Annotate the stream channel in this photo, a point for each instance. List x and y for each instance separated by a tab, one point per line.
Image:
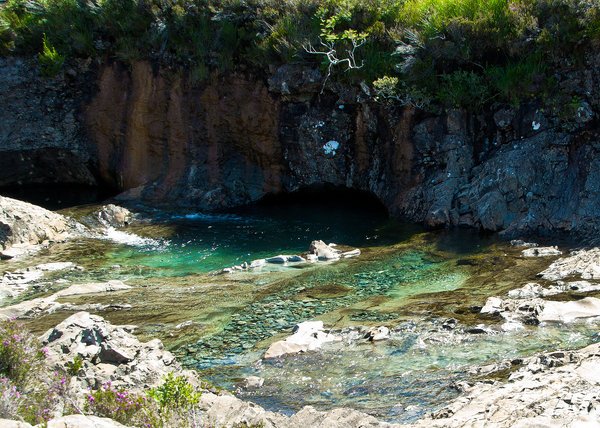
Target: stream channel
406	278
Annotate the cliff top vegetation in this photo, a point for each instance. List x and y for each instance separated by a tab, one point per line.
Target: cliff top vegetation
450	53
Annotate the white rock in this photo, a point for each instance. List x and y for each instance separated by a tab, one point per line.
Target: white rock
257	263
308	336
492	305
541	252
378	333
570	311
351	253
253	382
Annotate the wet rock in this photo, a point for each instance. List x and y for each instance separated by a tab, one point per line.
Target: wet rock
503	118
93	288
521	243
351	253
113	216
26	224
15	283
323	251
449	324
532	290
277	259
378	333
541	252
554	389
257	263
253	382
308	336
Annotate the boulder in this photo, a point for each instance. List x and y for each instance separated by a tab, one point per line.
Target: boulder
113	216
281	259
7	423
323	251
83	421
29	225
253	382
378	333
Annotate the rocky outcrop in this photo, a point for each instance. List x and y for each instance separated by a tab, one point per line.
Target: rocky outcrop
559	389
583	263
24	225
109	353
112	216
230	141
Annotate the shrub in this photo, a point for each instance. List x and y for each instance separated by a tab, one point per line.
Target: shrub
50	60
125	407
21	354
27	389
175	393
74	366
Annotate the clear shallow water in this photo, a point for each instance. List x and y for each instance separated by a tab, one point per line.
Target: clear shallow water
404	276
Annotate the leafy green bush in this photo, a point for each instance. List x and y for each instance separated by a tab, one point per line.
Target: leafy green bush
50	60
74	366
422	42
175	393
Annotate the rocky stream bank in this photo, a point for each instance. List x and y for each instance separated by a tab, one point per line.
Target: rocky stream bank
558	388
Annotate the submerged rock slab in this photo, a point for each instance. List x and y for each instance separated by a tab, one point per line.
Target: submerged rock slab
324	251
308	336
14	283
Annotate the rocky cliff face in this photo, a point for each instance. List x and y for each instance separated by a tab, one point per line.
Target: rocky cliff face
233	140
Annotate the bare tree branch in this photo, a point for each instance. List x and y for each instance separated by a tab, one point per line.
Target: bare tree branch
330	52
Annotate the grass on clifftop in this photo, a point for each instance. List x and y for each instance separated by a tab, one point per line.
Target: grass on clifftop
450	53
